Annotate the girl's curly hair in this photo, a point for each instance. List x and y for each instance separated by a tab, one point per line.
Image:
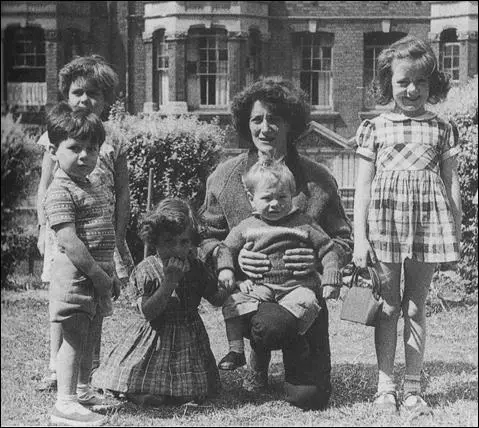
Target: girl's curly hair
171	216
415	49
281	96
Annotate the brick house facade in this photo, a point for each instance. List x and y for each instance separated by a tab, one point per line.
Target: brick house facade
177	56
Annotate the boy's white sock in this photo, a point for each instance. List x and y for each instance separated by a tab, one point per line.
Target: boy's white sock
237	346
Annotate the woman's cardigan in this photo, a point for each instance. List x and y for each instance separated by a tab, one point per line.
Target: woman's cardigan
226	203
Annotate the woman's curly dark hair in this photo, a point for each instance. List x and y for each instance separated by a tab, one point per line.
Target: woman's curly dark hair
416	49
281	96
171	216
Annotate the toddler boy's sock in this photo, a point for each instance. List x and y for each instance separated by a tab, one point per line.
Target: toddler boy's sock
237	346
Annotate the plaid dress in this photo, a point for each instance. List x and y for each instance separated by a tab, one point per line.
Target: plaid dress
171	354
409	213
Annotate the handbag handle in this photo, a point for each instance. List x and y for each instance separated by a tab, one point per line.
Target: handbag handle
374	278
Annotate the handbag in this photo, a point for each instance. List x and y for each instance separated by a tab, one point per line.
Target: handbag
362	304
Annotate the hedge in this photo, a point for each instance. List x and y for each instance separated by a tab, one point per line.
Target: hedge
182	151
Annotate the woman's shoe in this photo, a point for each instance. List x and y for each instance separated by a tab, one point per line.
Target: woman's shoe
414	403
386	402
232	360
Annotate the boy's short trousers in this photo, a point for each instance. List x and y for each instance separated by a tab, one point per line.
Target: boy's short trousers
300	301
72	294
69	297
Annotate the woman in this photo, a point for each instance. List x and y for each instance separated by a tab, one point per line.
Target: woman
270	115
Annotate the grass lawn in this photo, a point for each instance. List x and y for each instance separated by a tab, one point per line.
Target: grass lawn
450	373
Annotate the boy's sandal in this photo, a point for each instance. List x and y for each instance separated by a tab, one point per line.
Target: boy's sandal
414	403
386	401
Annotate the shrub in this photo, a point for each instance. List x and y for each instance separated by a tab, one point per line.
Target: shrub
19	164
461	107
182	152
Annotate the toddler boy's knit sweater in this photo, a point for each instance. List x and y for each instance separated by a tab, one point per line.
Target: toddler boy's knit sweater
274	238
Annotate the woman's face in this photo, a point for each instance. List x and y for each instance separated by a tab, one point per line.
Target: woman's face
84	93
269	132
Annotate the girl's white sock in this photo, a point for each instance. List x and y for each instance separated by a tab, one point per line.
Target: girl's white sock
385	383
412	384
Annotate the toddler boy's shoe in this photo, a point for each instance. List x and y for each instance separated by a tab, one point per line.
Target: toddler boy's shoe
48	382
386	402
79	416
232	360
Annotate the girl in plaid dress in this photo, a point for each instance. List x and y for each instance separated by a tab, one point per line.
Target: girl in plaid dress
166	352
407	208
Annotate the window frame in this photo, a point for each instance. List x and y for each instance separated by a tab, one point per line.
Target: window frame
316	47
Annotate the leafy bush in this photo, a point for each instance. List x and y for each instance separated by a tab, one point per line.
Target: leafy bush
182	152
19	162
461	107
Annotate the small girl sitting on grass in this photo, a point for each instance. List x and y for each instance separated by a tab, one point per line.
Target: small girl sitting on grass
165	354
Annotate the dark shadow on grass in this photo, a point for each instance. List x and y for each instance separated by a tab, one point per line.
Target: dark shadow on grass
231	396
356	383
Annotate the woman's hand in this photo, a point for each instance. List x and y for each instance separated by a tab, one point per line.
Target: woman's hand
301	261
363	253
252	263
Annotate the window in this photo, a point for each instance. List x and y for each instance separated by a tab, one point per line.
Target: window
213	69
195	5
160	64
25	67
374	43
253	59
316	64
449	53
27	54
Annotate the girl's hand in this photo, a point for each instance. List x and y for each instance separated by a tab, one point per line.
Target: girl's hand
252	263
363	253
330	292
175	269
301	261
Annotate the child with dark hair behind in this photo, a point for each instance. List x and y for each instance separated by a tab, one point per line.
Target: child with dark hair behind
165	354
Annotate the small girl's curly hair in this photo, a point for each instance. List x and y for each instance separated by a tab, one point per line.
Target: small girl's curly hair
94	68
171	216
418	50
281	96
